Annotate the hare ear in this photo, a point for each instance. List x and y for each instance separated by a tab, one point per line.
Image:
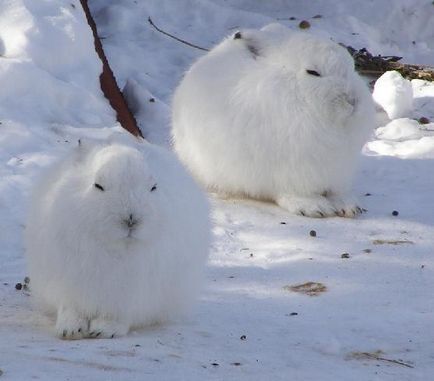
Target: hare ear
251	43
253	48
238	36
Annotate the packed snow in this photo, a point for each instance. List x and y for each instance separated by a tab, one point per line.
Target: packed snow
368	314
394	94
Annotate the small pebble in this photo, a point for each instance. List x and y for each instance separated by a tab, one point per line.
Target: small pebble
423	120
367	194
293	314
283	223
18	286
236	363
345	255
367	251
422	267
304	24
312	233
26	280
395	213
243	337
152	100
317	17
215	364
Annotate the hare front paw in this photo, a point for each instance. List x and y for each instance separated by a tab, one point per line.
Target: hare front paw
70	325
346	207
101	328
317	207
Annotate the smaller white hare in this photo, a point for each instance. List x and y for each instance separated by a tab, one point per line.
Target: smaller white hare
275	115
117	237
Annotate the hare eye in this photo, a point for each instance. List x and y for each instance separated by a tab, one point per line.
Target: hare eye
154	187
313	72
98	186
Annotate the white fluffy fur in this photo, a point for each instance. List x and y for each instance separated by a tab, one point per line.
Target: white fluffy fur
249	120
101	276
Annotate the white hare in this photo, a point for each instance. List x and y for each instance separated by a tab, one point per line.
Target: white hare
275	115
117	237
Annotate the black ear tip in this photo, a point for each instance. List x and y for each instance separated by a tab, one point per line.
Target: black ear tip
237	36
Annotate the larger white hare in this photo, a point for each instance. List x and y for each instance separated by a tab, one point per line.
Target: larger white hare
275	115
116	237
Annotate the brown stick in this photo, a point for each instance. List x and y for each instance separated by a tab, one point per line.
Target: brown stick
108	82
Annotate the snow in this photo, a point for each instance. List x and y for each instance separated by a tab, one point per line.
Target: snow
394	94
378	299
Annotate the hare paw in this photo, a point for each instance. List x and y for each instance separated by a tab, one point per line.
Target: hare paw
346	207
70	325
101	328
317	207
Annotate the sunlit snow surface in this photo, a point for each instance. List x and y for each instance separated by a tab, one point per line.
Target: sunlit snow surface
378	299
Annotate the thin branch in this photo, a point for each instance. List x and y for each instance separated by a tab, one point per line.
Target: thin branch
375	357
175	38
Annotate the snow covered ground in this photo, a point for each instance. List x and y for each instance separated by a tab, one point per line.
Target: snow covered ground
375	318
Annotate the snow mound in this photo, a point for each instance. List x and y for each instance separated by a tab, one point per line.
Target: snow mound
400	130
394	94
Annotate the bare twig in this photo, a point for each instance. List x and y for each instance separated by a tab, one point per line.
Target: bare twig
375	357
174	37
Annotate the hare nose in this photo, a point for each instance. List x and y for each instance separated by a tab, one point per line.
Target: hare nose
131	221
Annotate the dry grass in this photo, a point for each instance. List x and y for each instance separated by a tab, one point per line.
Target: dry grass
377	356
392	242
309	288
